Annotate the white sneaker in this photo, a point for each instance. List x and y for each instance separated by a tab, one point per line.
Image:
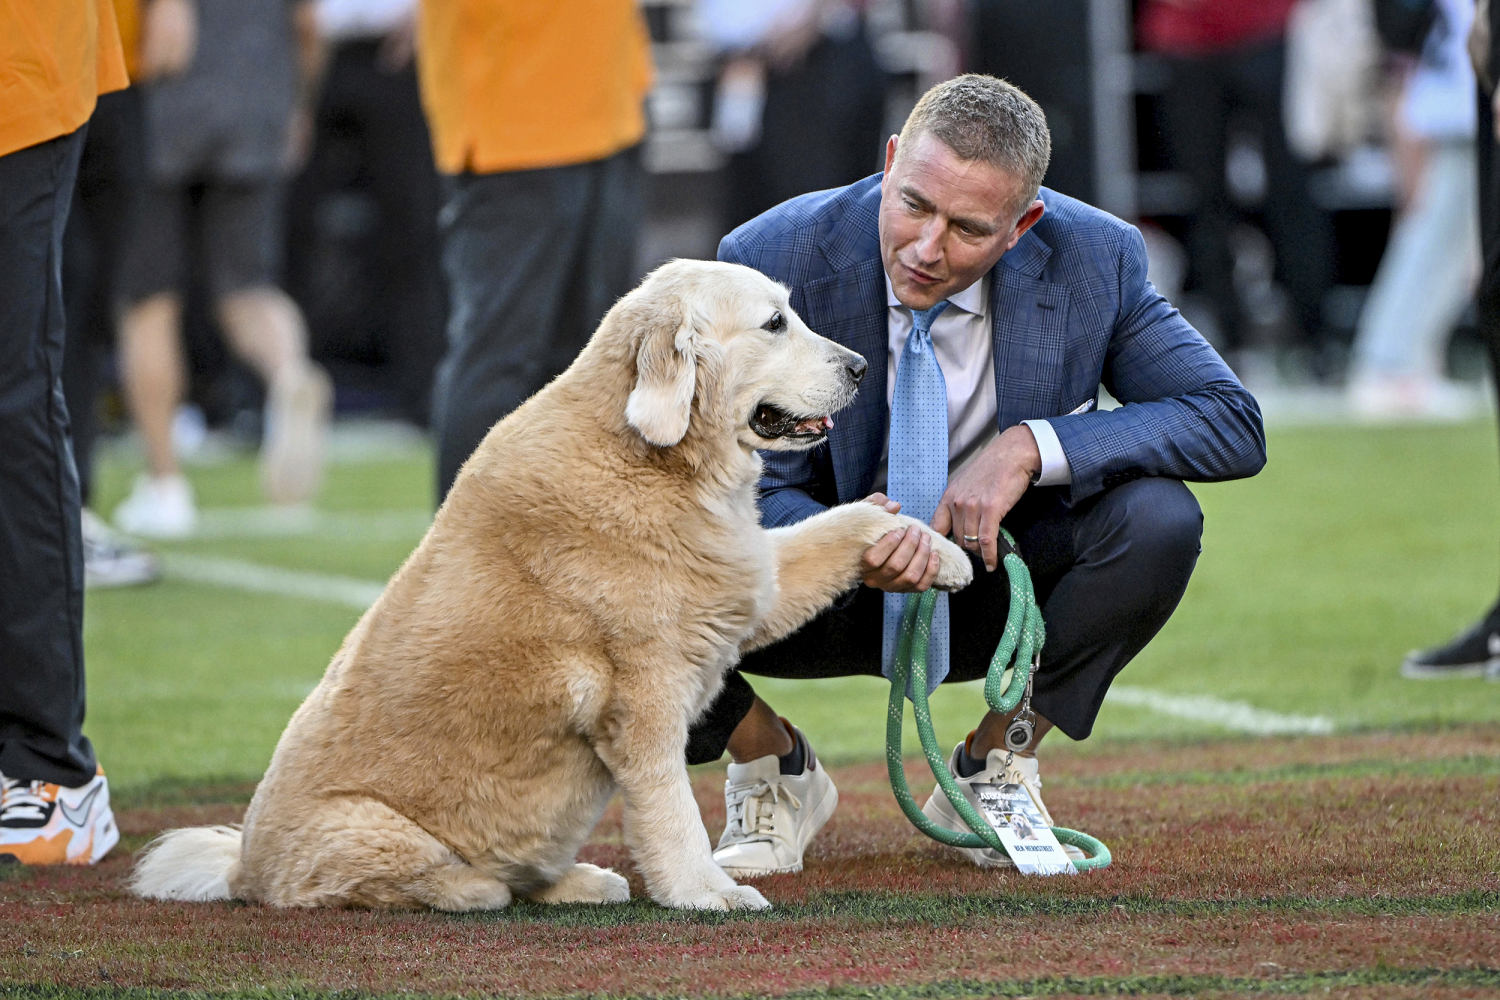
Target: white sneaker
111	561
158	507
1001	767
298	408
772	816
46	824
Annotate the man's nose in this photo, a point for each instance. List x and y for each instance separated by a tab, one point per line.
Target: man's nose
930	242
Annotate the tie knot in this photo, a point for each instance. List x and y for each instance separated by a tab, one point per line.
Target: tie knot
922	319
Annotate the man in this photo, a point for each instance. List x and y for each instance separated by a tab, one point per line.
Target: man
1047	301
537	112
54	801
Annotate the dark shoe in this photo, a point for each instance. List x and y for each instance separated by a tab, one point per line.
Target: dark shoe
1475	653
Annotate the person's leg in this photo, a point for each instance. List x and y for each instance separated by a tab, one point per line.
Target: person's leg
1196	110
1476	650
152	374
41	554
265	329
1420	291
1300	230
510	248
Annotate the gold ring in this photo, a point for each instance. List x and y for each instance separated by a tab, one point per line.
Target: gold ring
971	538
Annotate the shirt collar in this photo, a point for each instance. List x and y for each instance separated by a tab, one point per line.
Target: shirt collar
970	300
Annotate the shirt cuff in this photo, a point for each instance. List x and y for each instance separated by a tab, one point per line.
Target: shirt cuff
1055	468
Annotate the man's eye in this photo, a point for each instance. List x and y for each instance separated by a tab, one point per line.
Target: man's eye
776	324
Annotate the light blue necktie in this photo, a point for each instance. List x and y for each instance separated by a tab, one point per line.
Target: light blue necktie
917	471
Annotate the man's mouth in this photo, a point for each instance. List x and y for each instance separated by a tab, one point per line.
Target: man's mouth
771	421
919	276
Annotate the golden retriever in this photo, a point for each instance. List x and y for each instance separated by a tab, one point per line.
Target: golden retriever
597	568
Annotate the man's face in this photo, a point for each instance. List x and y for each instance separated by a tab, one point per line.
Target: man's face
944	221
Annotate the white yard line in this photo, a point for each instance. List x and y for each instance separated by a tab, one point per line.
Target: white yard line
240	575
220	523
1235	715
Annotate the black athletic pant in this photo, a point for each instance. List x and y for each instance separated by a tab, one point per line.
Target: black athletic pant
534	259
41	551
1108	573
111	176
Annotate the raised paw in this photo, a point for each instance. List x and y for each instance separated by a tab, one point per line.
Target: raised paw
955	569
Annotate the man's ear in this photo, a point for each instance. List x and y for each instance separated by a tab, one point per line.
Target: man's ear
665	376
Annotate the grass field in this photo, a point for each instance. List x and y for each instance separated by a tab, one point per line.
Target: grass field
1288	816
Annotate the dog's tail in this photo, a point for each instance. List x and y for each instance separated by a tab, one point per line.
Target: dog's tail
194	864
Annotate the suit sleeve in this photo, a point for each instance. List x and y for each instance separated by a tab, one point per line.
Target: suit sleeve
1185	414
791	480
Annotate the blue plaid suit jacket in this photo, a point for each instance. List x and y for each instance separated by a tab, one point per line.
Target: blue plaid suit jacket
1072	311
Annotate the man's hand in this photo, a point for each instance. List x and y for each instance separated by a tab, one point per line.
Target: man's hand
984	489
903	560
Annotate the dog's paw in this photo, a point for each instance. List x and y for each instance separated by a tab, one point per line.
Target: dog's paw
715	891
738	897
955	568
585	883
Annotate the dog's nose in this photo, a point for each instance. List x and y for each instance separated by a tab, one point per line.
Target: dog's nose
856	367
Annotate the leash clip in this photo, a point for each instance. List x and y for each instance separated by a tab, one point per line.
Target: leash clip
1022	728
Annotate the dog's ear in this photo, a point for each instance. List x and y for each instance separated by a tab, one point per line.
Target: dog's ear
665	374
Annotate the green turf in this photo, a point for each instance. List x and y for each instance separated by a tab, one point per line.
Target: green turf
1353	545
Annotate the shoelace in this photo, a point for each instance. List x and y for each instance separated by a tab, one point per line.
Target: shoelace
22	800
765	795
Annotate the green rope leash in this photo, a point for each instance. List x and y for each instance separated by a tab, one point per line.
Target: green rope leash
1019	648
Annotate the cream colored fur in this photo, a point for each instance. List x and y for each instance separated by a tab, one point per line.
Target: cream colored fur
596	569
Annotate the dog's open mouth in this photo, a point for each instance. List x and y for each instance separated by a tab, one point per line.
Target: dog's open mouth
771	421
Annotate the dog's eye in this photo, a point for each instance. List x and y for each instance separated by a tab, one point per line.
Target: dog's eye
776	324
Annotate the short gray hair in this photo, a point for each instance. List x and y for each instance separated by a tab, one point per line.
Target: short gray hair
985	118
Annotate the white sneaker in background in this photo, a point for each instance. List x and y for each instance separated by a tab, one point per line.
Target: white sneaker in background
771	816
299	406
158	507
112	561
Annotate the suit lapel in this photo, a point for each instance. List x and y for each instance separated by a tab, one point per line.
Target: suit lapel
849	307
1030	320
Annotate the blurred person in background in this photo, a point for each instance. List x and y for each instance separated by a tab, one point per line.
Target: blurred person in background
363	251
1426	275
1226	62
796	75
1475	651
111	173
55	59
225	119
537	114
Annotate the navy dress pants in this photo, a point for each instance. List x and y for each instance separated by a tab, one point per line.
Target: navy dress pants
1108	572
41	546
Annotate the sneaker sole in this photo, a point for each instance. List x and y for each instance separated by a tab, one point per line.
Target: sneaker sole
1424	672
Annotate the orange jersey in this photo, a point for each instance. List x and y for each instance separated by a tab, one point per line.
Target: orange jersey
56	58
520	84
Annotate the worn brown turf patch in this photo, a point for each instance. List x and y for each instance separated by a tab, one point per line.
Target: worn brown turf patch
1352	866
